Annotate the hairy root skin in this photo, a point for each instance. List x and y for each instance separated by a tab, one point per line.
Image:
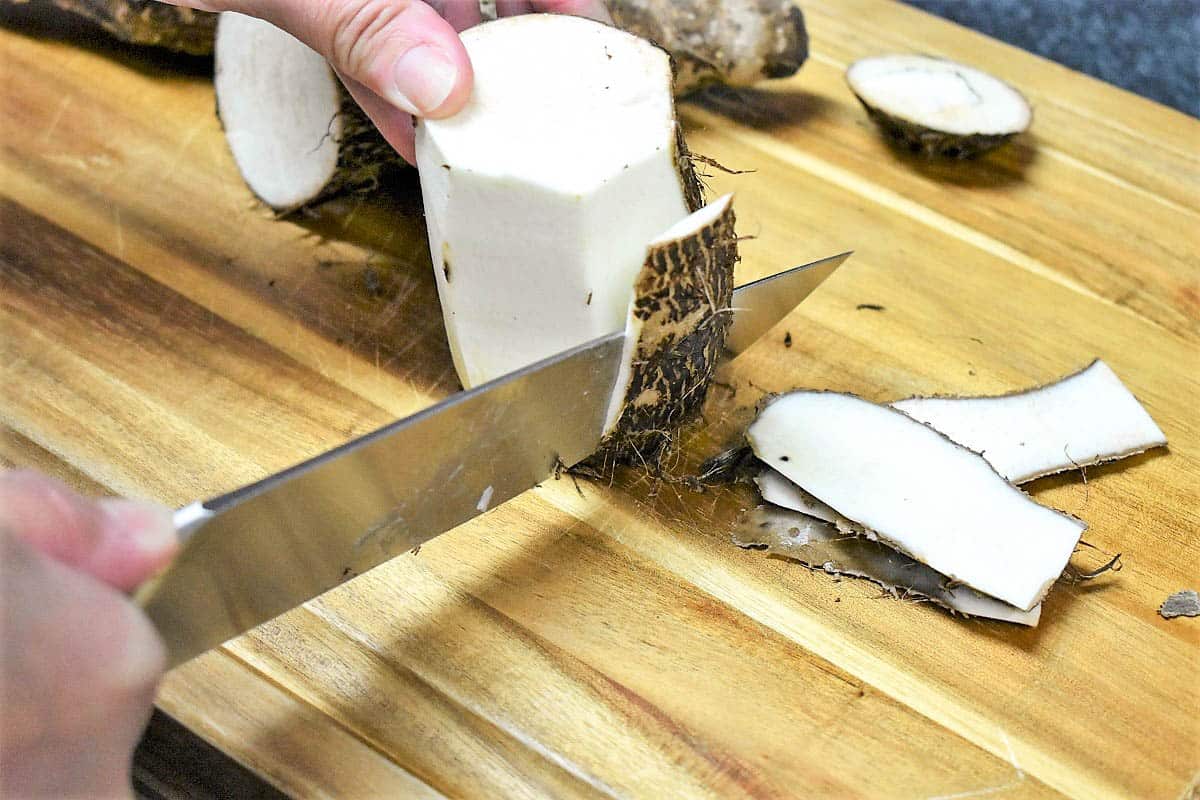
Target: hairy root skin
683	299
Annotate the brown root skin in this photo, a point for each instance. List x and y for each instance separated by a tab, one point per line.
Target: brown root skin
931	143
365	158
709	42
682	300
147	22
707	47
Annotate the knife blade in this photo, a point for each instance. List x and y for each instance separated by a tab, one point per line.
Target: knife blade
258	551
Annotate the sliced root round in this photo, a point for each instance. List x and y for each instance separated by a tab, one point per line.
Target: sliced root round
938	107
296	135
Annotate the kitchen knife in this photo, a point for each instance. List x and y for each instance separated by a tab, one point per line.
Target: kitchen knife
263	549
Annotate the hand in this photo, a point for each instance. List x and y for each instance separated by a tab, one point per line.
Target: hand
79	663
398	58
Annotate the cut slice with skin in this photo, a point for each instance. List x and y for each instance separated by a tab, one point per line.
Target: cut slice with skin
936	106
923	494
1086	418
775	488
818	544
295	133
558	207
674	332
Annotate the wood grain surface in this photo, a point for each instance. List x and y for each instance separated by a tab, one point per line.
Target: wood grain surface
161	335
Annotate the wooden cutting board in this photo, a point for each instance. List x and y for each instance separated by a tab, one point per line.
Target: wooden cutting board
161	335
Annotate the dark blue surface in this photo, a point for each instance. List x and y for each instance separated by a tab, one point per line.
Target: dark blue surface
1151	47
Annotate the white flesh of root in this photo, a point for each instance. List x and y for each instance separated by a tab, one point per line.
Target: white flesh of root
279	103
541	195
928	497
939	95
818	544
1084	419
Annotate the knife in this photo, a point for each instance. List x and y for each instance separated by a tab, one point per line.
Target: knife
265	548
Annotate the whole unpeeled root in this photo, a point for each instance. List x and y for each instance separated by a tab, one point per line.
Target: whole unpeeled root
145	22
734	42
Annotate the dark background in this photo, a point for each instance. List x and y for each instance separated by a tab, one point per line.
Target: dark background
1151	47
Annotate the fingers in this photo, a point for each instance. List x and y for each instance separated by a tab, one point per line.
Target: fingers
402	50
120	542
79	667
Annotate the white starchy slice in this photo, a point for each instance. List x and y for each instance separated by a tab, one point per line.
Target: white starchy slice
278	102
1086	418
938	106
541	195
296	134
818	544
917	490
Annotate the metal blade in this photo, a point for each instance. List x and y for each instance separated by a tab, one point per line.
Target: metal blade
759	305
264	549
259	551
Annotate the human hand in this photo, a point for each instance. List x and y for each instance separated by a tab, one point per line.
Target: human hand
398	58
79	663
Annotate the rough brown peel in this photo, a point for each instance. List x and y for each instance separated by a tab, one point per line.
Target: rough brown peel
736	42
682	306
146	22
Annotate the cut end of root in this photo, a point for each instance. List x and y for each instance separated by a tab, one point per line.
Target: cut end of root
938	107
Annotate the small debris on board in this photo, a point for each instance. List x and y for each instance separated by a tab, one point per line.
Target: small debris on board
1184	603
1007	571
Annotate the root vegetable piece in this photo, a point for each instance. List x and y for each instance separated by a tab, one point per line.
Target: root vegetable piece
295	133
146	22
778	490
1084	419
674	333
938	107
737	42
542	194
818	544
925	495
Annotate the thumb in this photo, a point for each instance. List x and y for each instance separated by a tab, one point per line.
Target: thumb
120	542
402	50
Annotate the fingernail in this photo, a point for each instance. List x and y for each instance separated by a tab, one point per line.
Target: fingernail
424	77
147	526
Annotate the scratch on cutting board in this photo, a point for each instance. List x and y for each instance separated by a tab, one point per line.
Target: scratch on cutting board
1010	784
120	233
62	107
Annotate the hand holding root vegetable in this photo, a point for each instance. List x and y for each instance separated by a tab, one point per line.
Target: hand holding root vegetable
78	661
398	58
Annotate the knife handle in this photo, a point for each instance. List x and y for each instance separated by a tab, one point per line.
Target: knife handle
190	519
